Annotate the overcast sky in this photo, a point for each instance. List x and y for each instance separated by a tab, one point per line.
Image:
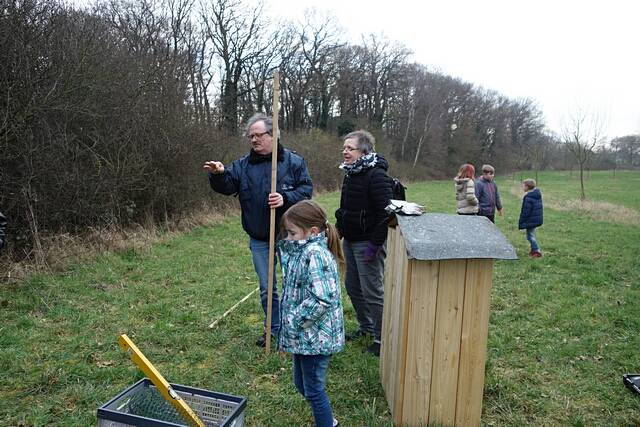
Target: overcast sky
564	54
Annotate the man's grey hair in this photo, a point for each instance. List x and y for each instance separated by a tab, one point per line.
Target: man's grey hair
366	141
268	123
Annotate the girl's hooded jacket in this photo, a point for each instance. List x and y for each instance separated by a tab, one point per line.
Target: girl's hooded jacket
311	304
467	202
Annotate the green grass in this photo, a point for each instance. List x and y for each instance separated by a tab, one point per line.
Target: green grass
563	328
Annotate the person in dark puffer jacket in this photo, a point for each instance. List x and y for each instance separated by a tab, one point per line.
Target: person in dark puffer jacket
531	214
249	178
362	222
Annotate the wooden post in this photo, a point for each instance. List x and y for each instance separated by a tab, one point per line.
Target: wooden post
272	222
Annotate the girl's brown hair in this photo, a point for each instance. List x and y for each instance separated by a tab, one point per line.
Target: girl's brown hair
467	171
306	214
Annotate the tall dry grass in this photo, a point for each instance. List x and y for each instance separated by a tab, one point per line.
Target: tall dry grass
57	251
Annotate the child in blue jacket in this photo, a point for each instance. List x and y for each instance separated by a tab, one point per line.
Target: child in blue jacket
312	324
531	214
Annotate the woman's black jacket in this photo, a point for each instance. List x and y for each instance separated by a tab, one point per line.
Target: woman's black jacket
364	196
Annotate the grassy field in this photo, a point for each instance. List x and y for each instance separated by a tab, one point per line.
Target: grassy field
563	328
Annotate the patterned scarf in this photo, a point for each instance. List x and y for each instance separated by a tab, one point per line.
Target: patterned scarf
364	162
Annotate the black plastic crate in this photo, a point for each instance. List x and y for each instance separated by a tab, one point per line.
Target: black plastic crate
143	405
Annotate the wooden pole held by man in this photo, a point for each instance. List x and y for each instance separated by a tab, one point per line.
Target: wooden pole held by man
272	224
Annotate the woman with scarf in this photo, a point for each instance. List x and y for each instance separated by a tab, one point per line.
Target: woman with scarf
362	222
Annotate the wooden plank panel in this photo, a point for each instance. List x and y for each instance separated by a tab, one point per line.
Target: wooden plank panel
420	333
473	345
389	274
399	317
392	314
446	347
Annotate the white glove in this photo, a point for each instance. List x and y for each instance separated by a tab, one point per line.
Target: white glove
403	207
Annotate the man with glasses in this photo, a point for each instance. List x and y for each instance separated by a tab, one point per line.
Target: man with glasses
249	177
487	194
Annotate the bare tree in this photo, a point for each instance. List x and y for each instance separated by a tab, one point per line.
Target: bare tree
319	43
310	72
428	110
258	72
235	32
382	60
582	134
526	133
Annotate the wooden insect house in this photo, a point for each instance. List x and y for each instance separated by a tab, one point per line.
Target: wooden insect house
438	278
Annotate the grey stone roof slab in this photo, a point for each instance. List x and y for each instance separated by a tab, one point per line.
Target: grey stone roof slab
435	236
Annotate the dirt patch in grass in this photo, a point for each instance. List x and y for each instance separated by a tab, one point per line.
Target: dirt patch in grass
599	211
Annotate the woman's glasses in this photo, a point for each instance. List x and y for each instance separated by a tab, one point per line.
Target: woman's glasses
349	149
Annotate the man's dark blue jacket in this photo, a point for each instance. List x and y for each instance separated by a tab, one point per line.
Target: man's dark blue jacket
249	178
531	212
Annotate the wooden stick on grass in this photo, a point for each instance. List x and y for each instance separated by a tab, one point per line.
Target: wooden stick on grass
236	305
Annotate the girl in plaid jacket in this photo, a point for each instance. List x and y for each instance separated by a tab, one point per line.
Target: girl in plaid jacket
312	327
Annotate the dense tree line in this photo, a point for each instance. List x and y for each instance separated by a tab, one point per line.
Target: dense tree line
107	113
